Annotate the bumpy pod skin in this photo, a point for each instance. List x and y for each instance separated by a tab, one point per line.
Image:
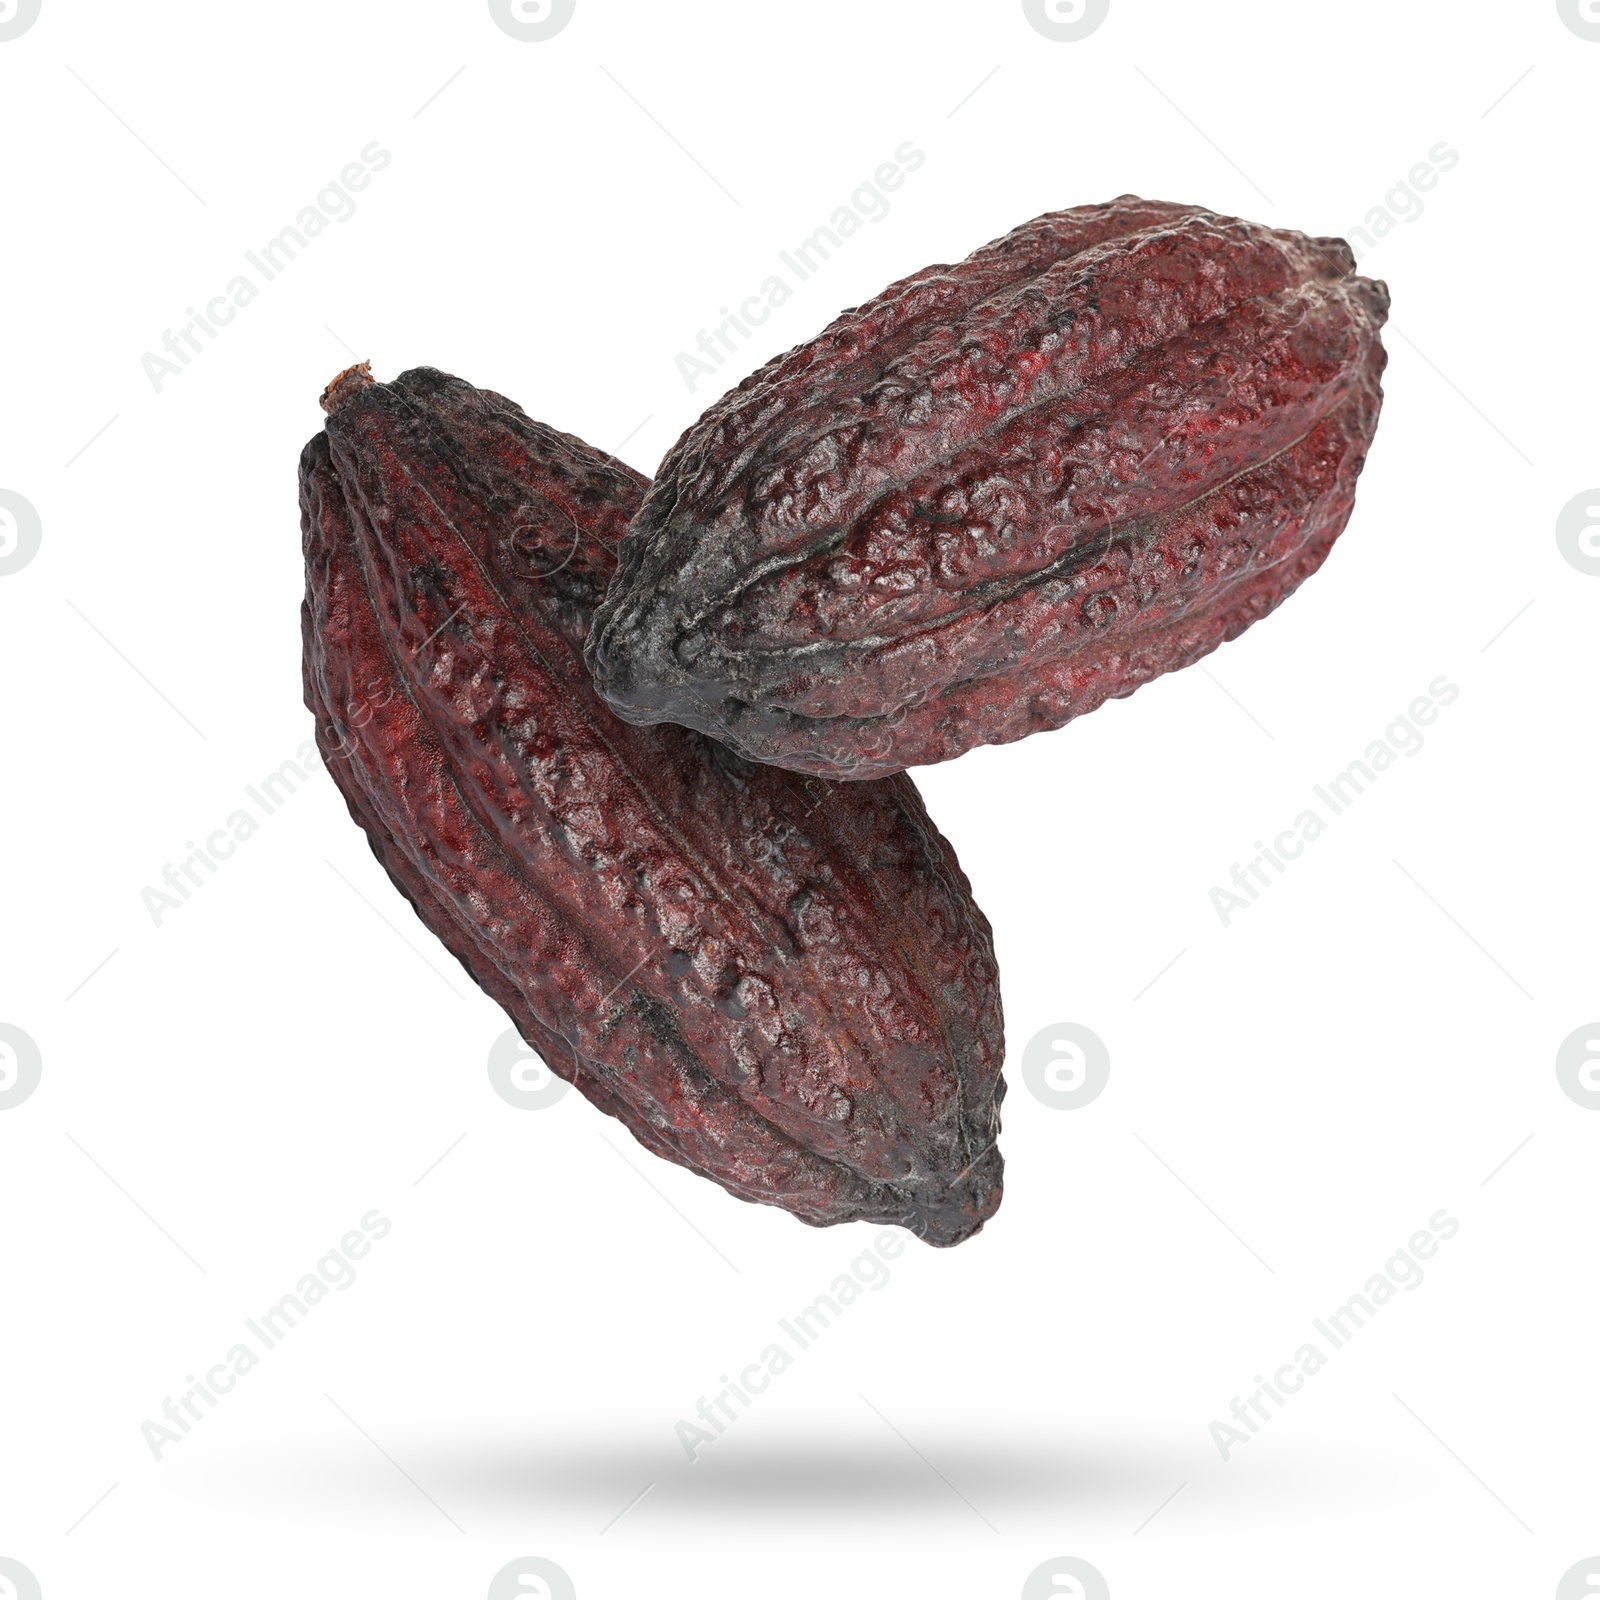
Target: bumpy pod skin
780	983
1002	492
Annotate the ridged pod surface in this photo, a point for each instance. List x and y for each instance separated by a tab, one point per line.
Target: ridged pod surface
782	984
1001	492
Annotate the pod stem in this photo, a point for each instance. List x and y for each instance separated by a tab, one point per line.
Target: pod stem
346	386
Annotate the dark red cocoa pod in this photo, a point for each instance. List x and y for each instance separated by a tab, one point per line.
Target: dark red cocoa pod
1001	492
780	983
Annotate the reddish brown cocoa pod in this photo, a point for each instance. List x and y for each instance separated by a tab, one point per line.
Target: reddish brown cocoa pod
1001	492
780	983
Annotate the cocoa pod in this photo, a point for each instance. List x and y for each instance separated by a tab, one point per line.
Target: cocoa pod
780	983
1001	492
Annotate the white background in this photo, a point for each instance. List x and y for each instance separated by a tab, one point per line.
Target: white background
1291	1098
